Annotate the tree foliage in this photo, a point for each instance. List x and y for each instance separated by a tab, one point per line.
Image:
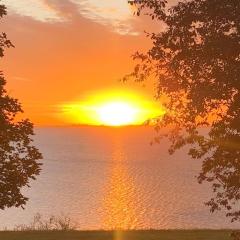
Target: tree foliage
18	158
196	64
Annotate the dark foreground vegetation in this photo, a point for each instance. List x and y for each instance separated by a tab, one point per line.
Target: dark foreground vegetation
127	235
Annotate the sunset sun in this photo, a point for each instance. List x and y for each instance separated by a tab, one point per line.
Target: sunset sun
111	108
117	114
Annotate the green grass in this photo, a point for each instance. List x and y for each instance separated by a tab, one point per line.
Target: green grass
126	235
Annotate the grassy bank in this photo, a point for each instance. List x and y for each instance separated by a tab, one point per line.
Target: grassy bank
128	235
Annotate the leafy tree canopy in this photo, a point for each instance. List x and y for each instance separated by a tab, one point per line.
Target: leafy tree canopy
18	158
195	61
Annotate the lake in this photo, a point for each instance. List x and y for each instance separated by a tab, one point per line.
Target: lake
108	178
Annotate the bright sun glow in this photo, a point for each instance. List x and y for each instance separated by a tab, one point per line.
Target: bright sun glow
117	114
111	108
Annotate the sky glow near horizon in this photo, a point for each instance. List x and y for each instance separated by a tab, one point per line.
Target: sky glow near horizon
117	15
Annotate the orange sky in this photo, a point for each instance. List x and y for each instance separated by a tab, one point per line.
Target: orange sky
66	51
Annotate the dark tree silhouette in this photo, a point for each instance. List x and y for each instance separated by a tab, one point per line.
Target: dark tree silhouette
18	158
196	63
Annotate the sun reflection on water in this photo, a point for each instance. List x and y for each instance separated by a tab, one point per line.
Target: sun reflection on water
119	201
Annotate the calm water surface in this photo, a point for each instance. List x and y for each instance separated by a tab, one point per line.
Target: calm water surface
108	178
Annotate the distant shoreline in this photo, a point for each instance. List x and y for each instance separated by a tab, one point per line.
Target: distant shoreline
92	126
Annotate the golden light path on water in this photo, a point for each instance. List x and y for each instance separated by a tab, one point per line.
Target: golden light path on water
120	201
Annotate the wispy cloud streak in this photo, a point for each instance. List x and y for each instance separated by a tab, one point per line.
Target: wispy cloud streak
36	9
113	13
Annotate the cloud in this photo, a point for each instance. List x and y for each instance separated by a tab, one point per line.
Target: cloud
114	13
21	79
37	9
